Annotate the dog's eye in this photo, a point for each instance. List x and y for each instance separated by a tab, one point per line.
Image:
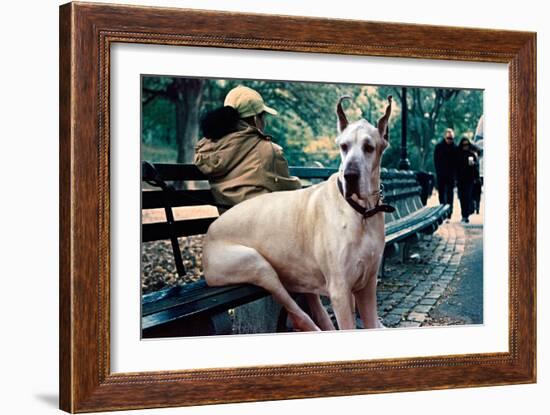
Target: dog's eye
344	147
367	148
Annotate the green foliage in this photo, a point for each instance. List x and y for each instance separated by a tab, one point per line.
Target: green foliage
306	124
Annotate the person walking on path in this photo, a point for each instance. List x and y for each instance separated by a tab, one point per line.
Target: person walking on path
239	159
445	168
467	175
478	148
478	181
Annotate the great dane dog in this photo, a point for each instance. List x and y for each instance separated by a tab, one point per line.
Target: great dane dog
327	239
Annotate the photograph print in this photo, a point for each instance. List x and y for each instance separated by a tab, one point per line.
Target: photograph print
274	206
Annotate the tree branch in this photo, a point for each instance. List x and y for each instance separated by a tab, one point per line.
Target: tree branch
156	93
149	99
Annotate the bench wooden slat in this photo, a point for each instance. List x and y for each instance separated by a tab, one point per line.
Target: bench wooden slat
231	297
153	199
170	292
425	211
187	227
179	172
409	231
428	217
408	220
185	294
312	172
401	194
171	171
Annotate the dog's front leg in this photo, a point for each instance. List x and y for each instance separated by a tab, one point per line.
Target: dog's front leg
366	304
344	308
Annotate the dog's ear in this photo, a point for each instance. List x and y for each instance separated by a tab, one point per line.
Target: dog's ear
383	122
342	120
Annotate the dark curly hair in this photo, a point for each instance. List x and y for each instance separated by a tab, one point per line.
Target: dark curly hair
219	122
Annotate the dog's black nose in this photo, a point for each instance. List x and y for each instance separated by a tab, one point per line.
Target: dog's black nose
351	176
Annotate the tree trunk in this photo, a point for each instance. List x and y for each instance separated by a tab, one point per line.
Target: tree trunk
187	99
422	159
429	133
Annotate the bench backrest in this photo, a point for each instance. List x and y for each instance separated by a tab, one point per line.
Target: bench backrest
401	189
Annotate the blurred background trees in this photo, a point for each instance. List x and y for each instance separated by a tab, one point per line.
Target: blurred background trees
306	124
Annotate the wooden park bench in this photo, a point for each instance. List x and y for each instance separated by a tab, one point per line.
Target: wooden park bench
196	309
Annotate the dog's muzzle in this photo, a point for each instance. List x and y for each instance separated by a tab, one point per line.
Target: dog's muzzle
351	182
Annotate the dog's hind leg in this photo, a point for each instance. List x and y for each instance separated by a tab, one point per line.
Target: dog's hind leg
318	312
228	263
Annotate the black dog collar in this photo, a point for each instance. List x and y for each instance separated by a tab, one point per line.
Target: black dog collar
366	213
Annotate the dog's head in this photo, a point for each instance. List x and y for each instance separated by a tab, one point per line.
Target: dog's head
361	146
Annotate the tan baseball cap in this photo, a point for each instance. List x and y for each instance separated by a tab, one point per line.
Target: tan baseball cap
247	102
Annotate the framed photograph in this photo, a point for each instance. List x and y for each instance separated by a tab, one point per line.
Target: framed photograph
259	207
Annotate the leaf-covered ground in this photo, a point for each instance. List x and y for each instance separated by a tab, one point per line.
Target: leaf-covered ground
159	269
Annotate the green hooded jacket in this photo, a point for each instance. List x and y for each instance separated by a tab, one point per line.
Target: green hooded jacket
243	164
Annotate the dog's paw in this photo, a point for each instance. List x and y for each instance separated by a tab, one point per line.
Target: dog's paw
381	324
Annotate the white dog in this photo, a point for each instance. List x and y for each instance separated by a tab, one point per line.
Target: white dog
327	239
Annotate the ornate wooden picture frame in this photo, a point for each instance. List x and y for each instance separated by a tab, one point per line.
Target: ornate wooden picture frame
87	32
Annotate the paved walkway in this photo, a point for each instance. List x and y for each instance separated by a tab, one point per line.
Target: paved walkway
464	302
441	282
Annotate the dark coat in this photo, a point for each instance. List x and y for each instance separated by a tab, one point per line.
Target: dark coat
466	173
445	161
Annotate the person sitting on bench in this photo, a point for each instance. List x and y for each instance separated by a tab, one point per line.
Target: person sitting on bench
238	158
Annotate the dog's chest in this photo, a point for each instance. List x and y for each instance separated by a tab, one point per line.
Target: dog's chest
361	254
368	255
